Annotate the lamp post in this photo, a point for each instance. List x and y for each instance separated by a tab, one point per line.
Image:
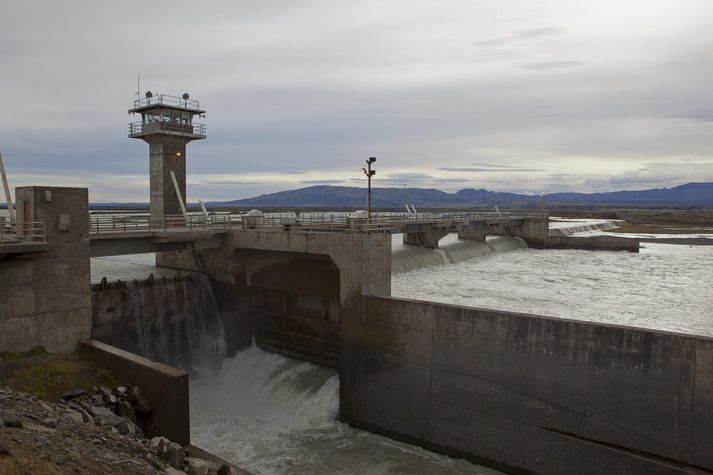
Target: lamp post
369	173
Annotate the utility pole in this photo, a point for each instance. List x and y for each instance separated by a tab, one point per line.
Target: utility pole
369	173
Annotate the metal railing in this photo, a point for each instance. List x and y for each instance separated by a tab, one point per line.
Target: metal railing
168	100
305	222
140	128
126	224
14	232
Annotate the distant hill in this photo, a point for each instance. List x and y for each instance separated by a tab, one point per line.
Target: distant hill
690	194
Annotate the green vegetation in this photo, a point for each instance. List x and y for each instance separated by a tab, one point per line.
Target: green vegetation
50	375
36	351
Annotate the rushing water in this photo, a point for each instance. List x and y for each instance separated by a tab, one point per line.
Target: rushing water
274	415
664	286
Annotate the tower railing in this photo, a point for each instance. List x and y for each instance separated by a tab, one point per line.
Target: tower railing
168	100
140	128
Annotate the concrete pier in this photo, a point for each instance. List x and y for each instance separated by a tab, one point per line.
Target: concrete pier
44	297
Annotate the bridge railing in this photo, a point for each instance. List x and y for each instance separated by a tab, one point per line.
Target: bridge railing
304	222
17	232
126	224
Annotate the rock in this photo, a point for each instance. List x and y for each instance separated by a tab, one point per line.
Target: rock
124	409
73	393
104	417
173	471
96	441
71	416
41	442
139	401
10	418
174	455
122	391
4	450
104	392
196	466
98	400
227	470
50	422
128	428
158	443
85	416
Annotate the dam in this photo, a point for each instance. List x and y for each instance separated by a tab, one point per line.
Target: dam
516	391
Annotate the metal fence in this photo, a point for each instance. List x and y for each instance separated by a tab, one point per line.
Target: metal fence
124	224
168	100
14	232
139	128
303	222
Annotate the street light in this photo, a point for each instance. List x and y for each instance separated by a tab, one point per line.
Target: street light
369	173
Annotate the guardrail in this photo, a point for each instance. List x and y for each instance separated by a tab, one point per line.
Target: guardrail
168	100
304	222
139	128
14	232
125	224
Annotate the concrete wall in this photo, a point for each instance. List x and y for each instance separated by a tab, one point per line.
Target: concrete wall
175	322
594	243
164	386
527	393
44	298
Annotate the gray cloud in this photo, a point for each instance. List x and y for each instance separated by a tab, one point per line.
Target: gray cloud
322	182
480	169
549	65
403	81
533	33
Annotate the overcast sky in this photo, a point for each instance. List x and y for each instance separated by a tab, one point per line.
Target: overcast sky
526	96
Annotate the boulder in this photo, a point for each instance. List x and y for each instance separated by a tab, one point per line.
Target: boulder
227	469
174	455
139	401
71	416
73	394
104	417
10	418
125	409
196	466
158	443
50	422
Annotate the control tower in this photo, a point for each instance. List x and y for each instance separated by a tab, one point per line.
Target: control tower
167	126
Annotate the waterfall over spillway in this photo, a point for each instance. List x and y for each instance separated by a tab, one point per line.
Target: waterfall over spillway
174	322
274	415
407	258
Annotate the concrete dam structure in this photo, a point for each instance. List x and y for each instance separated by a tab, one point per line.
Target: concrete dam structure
519	392
459	380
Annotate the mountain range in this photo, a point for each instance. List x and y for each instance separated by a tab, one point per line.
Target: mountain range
690	194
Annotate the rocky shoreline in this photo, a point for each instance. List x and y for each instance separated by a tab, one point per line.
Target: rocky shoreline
89	432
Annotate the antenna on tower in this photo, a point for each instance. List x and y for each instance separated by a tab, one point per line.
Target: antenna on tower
138	86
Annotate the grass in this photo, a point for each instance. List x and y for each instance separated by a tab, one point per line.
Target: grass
50	375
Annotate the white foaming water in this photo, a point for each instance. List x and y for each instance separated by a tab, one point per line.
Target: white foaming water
273	415
451	250
664	287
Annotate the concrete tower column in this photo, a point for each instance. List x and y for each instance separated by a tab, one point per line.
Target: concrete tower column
166	154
